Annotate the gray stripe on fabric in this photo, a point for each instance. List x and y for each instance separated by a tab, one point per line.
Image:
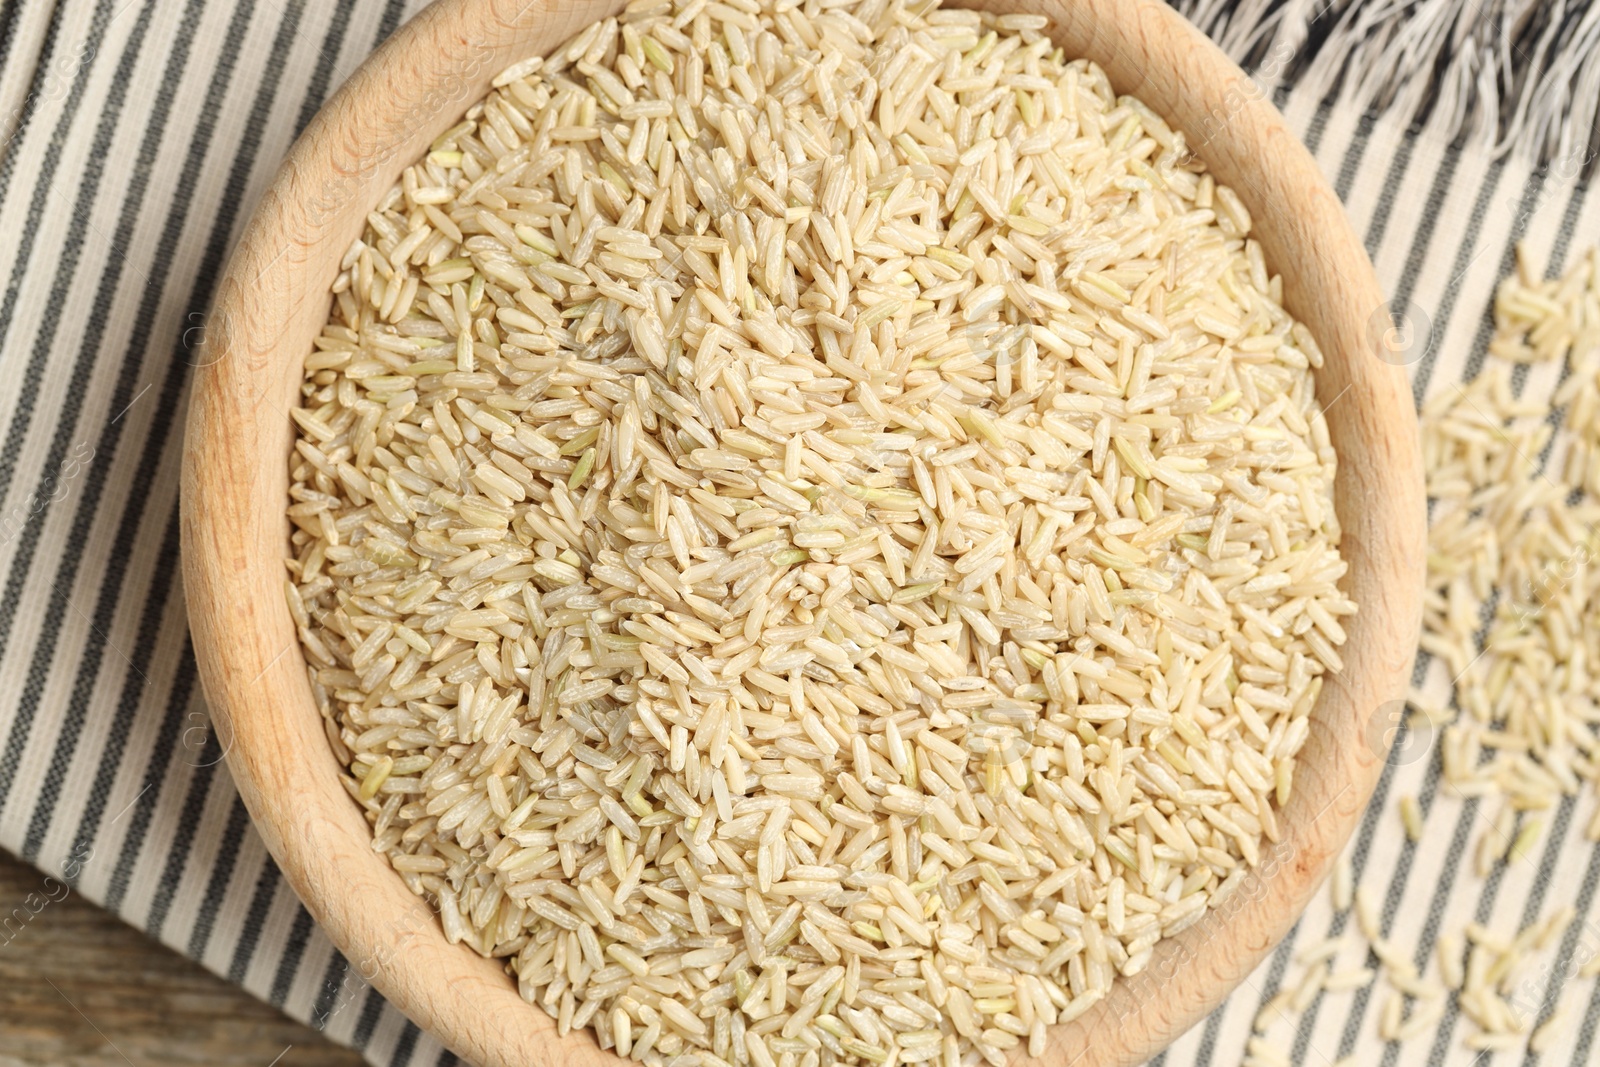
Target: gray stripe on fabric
1408	852
1354	153
1555	834
1459	839
1428	939
406	1047
162	769
1459	264
393	12
153	784
330	995
292	952
1208	1036
1485	907
266	890
9	11
371	1011
1567	230
327	60
1308	1019
1319	125
1277	967
1341	920
132	696
13	135
1591	1019
1508	260
1378	226
1358	865
1558	971
1567	961
217	884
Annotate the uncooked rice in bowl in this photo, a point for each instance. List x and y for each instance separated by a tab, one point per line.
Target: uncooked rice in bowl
813	534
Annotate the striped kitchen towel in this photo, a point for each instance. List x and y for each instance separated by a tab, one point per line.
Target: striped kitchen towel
135	136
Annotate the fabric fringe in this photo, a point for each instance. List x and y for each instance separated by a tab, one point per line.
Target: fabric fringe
1507	75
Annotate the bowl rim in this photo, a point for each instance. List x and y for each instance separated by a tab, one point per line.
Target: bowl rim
273	298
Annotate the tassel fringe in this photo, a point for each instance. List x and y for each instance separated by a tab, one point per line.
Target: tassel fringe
1507	75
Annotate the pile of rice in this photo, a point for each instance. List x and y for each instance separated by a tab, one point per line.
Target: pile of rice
813	533
1512	589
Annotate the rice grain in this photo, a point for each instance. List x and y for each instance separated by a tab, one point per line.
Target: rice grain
809	503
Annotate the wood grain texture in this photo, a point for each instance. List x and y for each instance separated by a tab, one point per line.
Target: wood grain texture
80	988
273	300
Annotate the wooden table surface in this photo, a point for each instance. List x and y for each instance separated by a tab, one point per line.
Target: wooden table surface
79	988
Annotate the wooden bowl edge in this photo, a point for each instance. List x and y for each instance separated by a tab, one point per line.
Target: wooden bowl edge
250	666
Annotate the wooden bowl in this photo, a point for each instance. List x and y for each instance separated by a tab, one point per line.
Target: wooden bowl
275	298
